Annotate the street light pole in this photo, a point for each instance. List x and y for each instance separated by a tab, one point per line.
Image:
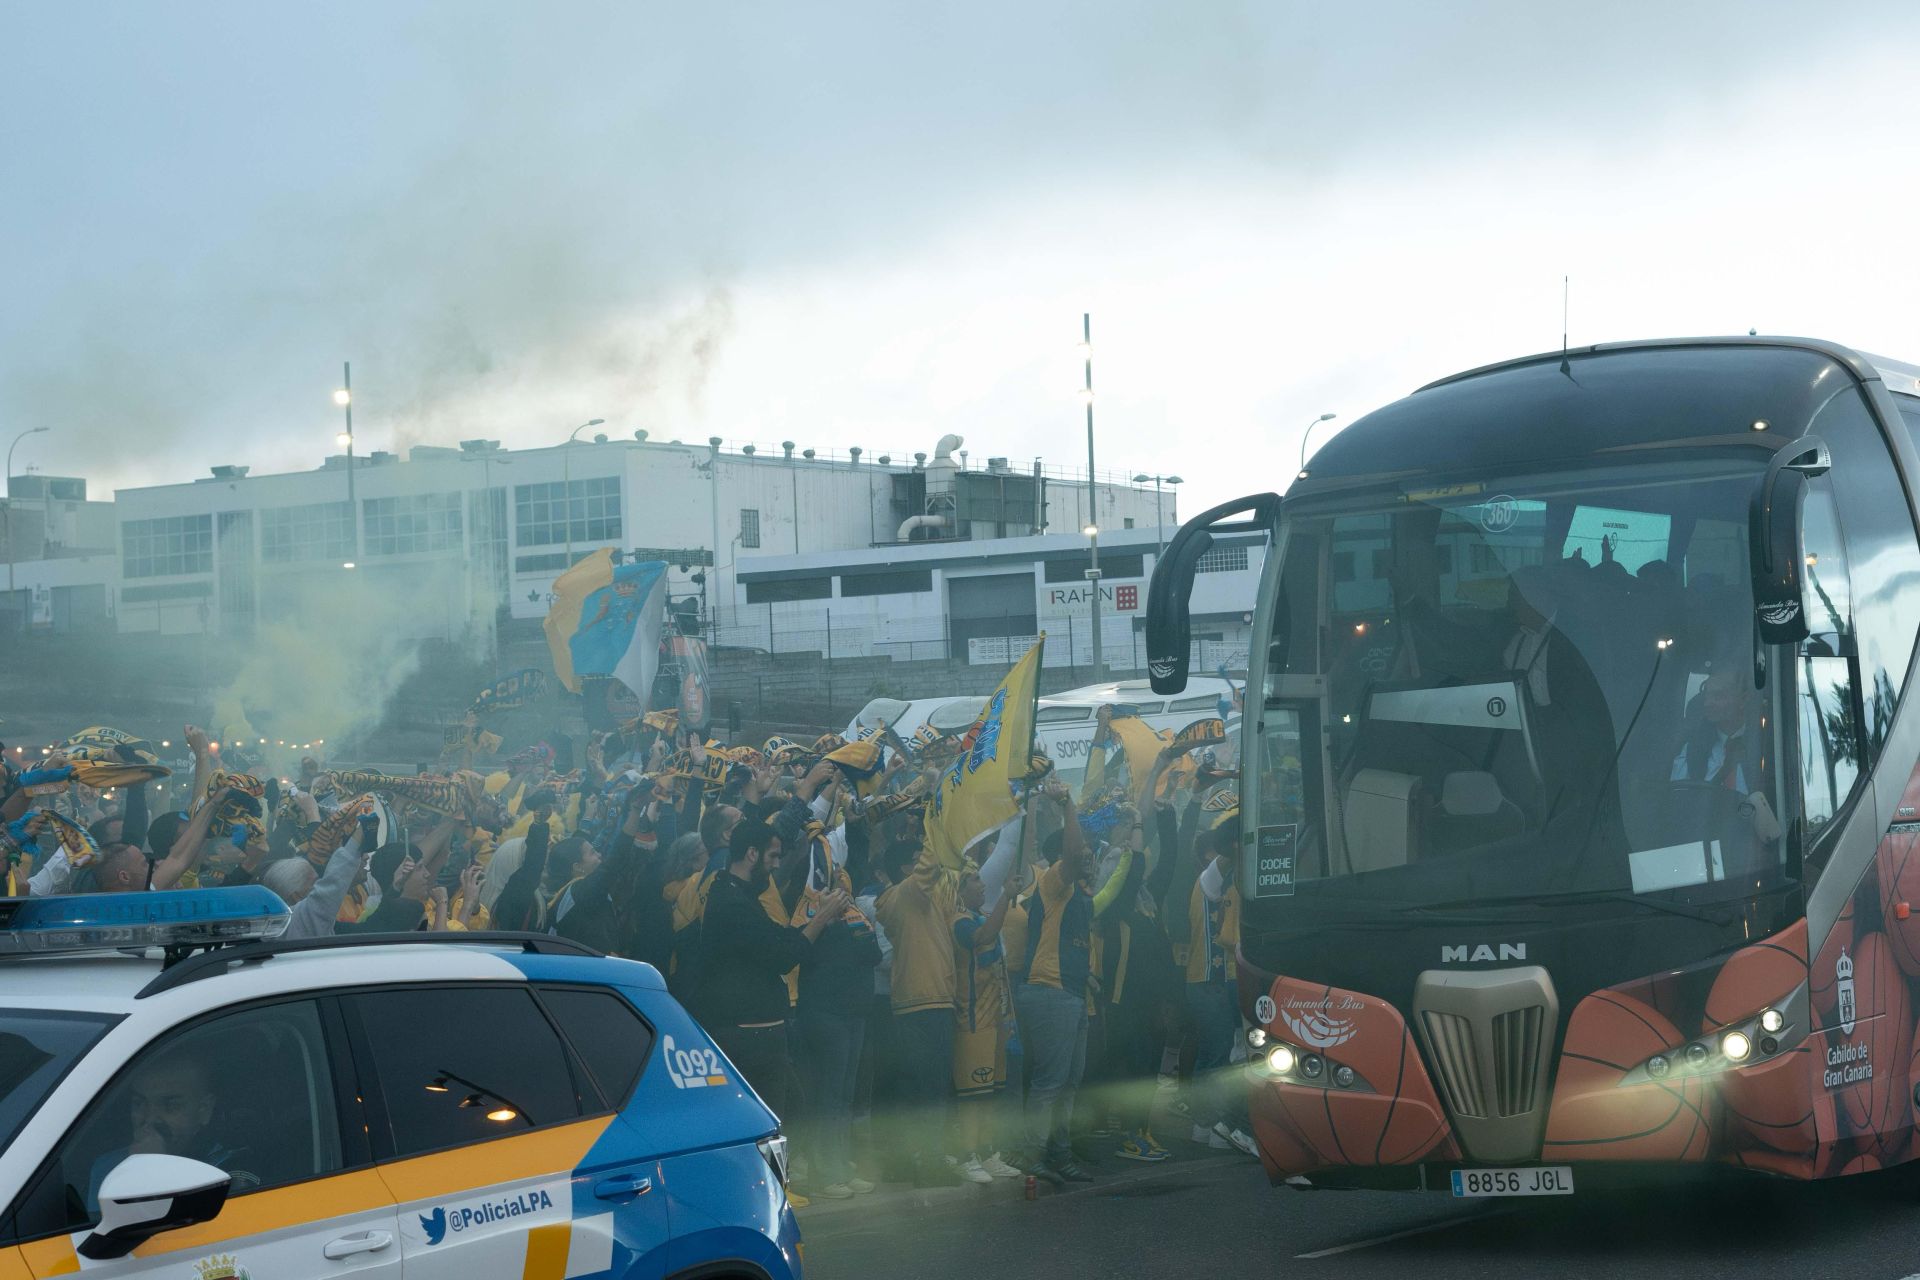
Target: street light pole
30	431
344	398
1325	417
566	484
1093	522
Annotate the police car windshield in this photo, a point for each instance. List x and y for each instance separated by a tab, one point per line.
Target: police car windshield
37	1048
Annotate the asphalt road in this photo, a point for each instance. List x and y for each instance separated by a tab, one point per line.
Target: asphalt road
1216	1216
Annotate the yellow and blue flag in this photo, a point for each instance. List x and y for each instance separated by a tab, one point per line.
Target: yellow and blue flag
607	621
975	793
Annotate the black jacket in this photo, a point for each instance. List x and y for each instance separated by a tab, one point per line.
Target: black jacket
744	956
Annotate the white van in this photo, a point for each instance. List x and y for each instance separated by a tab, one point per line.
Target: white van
1064	722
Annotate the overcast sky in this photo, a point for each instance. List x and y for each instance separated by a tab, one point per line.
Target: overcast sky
872	224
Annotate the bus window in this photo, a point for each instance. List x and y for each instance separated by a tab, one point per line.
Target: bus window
1881	554
1829	752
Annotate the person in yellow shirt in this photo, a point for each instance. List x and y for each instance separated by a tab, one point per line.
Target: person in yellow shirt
918	914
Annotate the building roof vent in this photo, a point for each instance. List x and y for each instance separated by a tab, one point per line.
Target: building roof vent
998	466
747	449
788	446
919	460
807	454
231	473
886	459
854	454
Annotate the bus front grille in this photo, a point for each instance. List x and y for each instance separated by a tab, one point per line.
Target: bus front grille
1450	1042
1516	1059
1485	1036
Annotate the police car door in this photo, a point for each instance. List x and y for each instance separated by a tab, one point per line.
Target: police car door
255	1092
490	1141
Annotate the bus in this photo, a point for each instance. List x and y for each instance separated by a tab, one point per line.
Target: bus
1579	828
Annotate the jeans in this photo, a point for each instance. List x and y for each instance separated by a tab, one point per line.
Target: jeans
1053	1031
829	1062
923	1045
1215	1008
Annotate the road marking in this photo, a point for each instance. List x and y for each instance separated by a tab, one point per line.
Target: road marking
1402	1235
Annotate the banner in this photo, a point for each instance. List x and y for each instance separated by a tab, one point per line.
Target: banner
696	707
511	691
975	793
617	629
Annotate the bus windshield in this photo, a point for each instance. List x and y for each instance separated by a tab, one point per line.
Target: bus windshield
1521	689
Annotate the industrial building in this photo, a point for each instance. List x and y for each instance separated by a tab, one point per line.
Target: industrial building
982	602
477	533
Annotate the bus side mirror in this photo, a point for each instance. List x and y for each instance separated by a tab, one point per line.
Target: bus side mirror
1169	620
1773	535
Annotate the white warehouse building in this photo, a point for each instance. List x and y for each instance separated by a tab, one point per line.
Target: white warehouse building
983	602
465	533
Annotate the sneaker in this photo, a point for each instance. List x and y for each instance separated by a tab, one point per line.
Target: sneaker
1143	1148
1201	1134
1072	1172
796	1200
1046	1173
1180	1107
999	1168
835	1191
1235	1138
1166	1083
859	1186
972	1171
1218	1141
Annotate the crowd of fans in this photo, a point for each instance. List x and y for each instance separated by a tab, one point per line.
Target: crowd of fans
1063	991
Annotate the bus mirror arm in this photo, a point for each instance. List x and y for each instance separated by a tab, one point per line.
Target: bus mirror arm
1773	536
1169	618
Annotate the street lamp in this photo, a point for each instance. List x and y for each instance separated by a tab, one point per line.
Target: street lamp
1325	417
1093	526
566	487
1159	522
344	398
30	431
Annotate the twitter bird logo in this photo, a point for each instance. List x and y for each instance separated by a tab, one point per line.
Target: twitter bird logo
435	1225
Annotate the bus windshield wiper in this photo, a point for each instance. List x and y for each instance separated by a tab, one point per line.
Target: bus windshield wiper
1709	915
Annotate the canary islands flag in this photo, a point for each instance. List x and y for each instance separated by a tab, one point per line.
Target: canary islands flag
975	793
607	621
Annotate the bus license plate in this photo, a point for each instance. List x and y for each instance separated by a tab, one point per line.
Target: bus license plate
1477	1184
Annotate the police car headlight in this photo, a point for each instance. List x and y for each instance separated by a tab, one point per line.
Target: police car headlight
774	1148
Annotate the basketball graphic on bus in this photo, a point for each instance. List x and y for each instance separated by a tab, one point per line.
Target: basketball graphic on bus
1596	1116
1756	977
1899	864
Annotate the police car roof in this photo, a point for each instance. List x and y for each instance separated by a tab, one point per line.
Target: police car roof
111	982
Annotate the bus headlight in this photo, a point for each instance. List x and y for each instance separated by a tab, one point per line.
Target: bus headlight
1772	1021
1256	1037
1735	1046
1280	1059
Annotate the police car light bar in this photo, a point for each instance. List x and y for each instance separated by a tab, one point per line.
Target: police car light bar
167	918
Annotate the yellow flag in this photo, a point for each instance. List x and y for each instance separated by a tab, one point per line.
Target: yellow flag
570	591
976	792
1140	743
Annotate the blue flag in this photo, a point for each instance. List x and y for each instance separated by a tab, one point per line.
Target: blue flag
620	627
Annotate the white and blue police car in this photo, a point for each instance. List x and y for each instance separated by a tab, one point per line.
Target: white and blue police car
183	1095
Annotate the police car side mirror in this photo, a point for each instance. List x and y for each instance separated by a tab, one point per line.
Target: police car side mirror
144	1195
